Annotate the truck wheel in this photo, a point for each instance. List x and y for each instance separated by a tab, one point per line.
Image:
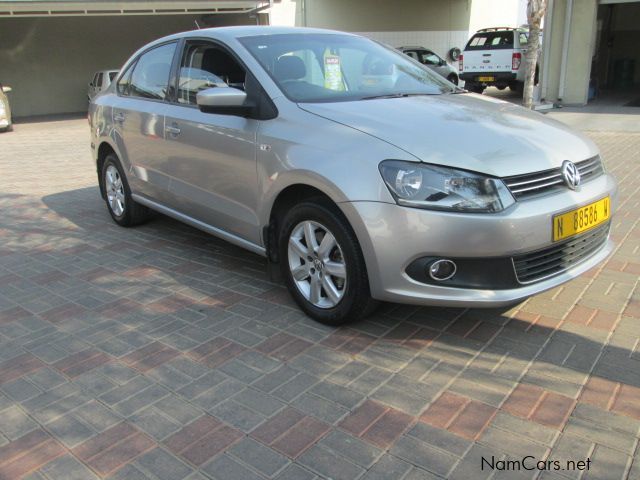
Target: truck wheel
475	87
516	87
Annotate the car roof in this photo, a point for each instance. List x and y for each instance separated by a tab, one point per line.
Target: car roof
246	31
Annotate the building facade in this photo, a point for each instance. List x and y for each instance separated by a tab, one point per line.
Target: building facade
50	49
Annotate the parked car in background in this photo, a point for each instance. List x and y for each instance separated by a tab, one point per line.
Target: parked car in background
340	160
433	61
495	57
6	124
101	81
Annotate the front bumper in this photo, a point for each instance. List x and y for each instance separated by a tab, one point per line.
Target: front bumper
392	237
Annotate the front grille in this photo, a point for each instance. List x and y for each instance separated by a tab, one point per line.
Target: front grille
530	184
541	264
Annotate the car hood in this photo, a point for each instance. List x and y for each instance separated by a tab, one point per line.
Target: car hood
466	131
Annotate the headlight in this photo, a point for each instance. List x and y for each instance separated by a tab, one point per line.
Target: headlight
440	188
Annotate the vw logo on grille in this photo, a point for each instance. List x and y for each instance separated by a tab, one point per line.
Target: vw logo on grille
571	174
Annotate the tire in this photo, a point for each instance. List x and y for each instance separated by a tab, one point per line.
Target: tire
122	208
453	78
516	87
475	87
346	297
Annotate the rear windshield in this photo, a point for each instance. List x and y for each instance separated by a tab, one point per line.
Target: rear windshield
491	41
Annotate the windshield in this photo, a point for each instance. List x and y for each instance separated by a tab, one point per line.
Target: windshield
332	67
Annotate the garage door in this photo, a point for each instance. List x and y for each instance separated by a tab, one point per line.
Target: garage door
50	50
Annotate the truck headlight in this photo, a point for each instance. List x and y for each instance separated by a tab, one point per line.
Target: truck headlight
427	186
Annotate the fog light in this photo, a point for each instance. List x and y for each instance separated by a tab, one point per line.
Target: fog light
441	270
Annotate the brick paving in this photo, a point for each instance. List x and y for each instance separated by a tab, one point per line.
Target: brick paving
162	353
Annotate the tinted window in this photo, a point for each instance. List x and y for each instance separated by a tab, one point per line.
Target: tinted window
150	78
112	75
334	67
491	41
429	58
124	84
412	54
99	80
524	39
205	65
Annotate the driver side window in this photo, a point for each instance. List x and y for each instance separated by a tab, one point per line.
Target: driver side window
205	65
429	58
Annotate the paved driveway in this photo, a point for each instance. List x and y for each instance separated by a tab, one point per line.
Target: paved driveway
159	352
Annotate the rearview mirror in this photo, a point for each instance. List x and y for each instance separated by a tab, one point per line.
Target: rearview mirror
6	89
224	101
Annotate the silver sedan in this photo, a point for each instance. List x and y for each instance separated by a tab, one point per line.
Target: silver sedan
358	173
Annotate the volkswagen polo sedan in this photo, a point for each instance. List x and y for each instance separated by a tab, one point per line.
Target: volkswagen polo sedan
358	173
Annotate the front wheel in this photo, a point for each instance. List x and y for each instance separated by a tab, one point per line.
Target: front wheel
453	78
322	264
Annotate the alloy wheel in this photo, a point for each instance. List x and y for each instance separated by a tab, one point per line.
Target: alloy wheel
317	264
115	190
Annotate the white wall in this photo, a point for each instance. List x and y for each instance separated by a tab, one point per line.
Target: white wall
497	13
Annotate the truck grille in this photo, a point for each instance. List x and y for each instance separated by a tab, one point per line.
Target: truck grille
530	184
550	261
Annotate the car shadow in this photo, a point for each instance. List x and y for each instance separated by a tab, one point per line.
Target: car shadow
136	267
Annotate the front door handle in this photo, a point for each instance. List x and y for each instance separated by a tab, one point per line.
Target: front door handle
170	129
118	117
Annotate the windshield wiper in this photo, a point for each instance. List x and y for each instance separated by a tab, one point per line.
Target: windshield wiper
397	95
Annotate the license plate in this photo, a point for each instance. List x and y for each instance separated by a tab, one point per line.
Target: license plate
581	219
486	79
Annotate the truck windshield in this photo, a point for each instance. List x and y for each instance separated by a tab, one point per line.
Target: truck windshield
334	67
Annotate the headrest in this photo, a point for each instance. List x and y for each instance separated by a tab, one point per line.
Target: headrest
289	67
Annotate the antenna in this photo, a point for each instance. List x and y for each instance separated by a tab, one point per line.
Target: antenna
197	26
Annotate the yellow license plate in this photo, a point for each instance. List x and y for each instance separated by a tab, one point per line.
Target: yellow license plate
581	219
486	79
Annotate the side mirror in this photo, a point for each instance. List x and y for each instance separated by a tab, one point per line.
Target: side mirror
224	101
6	89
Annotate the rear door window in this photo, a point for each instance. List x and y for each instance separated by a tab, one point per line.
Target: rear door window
491	41
150	78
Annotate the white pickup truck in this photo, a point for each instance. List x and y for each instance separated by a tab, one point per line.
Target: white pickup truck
495	57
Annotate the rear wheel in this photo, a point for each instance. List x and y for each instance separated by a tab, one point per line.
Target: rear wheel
475	87
322	264
516	87
125	211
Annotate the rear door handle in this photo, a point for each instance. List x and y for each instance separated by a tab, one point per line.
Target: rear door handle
118	117
172	130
